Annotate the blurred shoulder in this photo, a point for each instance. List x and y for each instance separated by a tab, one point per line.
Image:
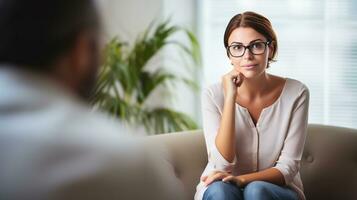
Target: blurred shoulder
296	86
296	89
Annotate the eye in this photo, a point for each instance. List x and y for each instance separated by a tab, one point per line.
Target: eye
237	47
257	45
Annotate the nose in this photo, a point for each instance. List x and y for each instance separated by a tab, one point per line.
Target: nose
247	54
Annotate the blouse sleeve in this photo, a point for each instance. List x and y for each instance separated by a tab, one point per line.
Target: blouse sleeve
211	122
289	160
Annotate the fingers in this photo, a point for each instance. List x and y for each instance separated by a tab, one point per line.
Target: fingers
230	76
228	178
232	179
217	176
230	82
240	80
236	81
203	178
233	76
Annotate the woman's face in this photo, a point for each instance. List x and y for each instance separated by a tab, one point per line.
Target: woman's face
249	65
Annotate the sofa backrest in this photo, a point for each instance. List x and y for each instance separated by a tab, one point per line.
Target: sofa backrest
329	163
328	166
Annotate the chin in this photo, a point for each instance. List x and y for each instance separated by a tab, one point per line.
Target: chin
250	74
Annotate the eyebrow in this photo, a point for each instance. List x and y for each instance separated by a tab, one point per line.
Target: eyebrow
248	43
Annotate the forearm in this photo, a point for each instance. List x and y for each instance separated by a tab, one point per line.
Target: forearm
225	139
271	175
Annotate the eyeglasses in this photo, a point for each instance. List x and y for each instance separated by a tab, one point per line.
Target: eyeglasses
256	48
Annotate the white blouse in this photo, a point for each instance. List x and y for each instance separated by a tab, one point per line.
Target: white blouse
277	140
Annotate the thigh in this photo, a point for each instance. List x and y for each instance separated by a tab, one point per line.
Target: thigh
220	190
268	191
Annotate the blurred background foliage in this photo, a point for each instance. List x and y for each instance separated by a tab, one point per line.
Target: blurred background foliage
126	81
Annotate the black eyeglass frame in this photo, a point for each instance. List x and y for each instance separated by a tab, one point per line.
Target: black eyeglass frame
267	43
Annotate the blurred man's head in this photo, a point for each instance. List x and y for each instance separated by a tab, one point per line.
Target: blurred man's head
58	38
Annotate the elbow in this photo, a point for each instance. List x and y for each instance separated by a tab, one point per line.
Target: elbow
288	170
219	162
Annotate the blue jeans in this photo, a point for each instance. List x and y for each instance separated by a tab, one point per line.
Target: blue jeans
256	190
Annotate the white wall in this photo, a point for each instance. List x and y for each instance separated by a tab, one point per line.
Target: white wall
127	18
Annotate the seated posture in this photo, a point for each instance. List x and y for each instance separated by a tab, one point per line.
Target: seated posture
52	145
254	122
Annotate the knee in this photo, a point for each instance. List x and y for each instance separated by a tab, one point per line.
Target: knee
256	190
220	190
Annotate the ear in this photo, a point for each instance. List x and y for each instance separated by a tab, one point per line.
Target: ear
81	54
74	67
271	50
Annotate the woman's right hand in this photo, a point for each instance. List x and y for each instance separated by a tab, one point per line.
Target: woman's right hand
231	81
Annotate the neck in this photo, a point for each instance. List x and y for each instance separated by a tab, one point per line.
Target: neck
254	87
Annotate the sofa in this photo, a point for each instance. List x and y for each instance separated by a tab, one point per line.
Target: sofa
328	166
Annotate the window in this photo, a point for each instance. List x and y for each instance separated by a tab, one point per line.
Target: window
317	45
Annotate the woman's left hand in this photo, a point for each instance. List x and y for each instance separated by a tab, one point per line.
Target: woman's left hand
216	175
238	180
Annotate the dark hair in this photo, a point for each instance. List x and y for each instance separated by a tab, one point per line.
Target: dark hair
257	22
34	33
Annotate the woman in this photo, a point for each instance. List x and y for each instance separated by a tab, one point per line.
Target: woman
254	122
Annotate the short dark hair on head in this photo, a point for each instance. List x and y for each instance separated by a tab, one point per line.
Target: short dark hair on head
257	22
34	33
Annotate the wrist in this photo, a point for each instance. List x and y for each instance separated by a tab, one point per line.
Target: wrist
230	95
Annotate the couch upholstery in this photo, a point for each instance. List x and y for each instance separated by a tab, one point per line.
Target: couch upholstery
328	166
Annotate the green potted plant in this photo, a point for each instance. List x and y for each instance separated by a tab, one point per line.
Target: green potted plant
125	82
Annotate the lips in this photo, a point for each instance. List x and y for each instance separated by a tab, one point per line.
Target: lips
249	66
